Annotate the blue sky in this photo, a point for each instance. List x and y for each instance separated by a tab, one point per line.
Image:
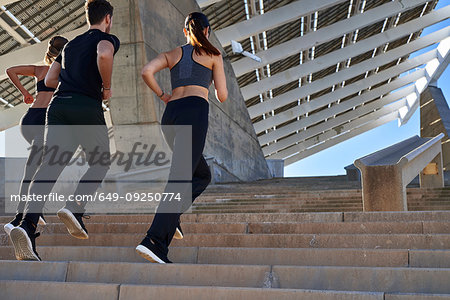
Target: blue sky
333	160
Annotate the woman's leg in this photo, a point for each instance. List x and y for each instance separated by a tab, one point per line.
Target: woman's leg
33	162
187	111
32	128
201	178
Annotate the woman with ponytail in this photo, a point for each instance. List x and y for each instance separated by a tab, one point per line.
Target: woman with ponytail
193	67
32	124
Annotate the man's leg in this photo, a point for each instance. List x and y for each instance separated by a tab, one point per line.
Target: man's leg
94	141
59	147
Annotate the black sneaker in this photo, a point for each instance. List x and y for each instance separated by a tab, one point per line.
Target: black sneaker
14	223
23	238
178	233
148	250
74	223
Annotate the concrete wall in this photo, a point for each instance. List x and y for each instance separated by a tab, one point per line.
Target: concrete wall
435	118
146	28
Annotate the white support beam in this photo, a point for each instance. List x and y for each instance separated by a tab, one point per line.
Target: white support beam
334	131
205	3
342	107
337	56
11	117
443	57
434	69
272	19
339	120
33	54
341	138
348	90
7	2
12	32
323	35
348	73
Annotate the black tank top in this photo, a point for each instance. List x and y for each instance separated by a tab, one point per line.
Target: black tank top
41	87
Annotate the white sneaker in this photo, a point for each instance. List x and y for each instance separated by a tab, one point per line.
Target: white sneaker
42	221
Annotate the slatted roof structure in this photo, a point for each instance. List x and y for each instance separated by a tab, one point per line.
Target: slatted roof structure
27	22
330	69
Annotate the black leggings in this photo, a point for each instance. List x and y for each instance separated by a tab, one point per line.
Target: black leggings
185	111
74	111
32	127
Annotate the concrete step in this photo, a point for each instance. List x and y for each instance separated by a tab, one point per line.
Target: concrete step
240	205
309	200
395	280
279	197
306	210
422	208
252	256
350	227
276	201
266	227
208	218
275	210
367	241
46	290
51	290
396	216
418	296
275	217
287	191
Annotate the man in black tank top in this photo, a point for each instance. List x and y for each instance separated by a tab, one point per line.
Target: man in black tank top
82	78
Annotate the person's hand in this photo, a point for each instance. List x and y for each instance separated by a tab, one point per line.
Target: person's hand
106	94
166	98
28	98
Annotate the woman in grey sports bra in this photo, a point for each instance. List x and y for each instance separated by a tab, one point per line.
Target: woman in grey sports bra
193	67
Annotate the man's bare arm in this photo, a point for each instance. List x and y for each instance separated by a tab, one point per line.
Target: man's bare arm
105	59
51	79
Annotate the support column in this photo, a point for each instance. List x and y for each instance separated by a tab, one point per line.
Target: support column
432	176
147	28
435	119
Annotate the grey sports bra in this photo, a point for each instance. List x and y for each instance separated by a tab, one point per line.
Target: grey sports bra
189	72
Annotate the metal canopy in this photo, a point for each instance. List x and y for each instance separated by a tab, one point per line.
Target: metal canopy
31	22
330	70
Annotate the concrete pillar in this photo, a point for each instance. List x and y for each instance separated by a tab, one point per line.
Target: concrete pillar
146	28
435	119
380	194
432	175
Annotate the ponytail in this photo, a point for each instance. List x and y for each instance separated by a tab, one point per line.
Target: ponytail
55	46
195	23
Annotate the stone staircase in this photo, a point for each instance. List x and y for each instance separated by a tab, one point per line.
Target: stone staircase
324	194
265	254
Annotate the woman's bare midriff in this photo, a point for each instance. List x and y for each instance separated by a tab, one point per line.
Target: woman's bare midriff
189	90
42	99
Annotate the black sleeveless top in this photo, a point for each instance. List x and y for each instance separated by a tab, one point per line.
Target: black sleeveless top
189	72
41	87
